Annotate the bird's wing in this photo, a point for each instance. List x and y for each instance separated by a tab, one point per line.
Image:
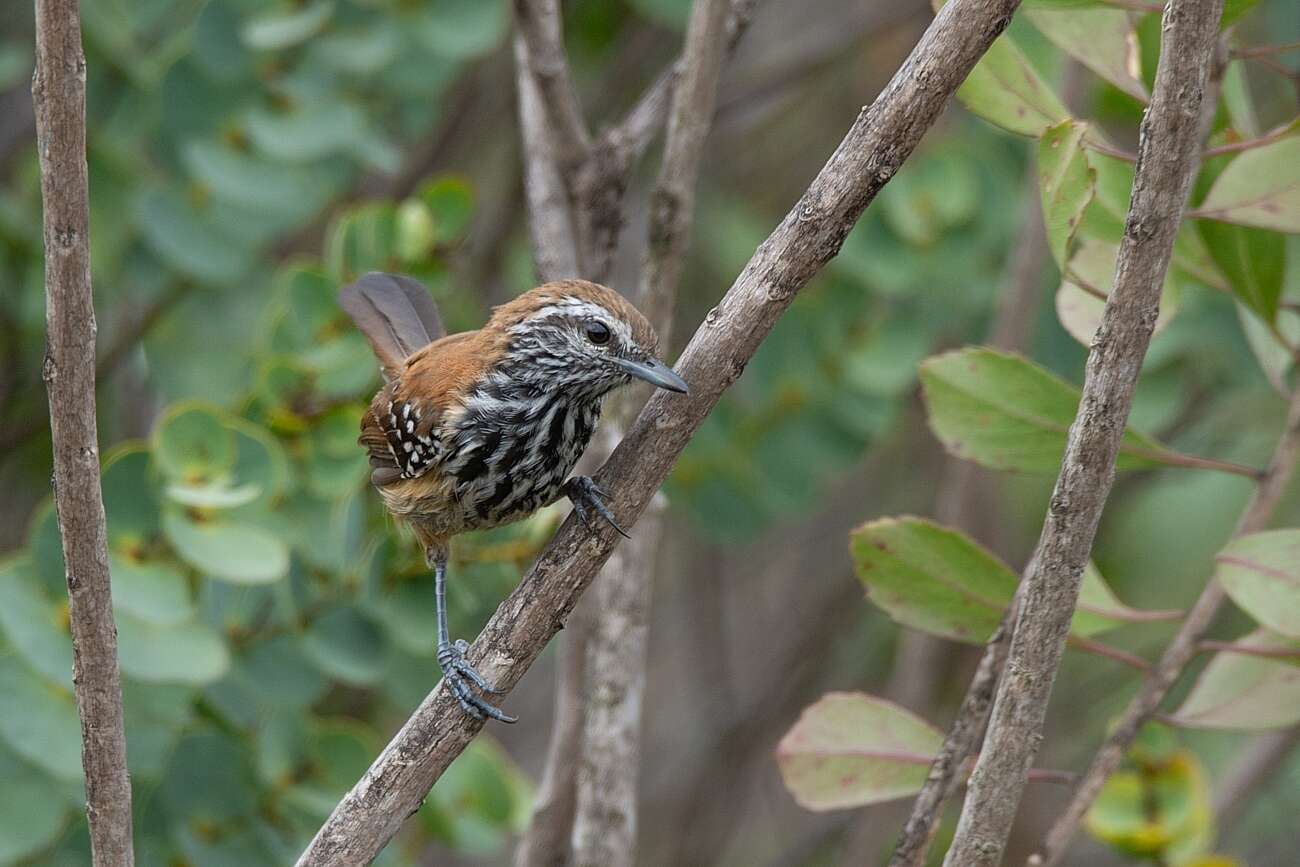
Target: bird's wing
395	313
404	428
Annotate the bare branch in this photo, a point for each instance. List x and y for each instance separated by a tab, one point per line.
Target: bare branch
546	841
550	222
883	135
602	180
1167	157
542	40
604	831
1185	644
59	94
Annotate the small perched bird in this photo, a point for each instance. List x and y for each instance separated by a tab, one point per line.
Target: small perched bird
479	429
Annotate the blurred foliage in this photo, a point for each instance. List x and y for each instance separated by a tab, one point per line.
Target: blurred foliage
273	629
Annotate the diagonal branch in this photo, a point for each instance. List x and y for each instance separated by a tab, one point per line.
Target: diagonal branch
882	136
604	829
1166	160
1184	645
542	41
59	94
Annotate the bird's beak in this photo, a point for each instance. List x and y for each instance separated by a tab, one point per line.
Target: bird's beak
654	372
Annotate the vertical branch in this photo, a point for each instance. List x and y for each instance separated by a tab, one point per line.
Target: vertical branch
604	830
1180	651
550	218
59	94
540	32
1166	159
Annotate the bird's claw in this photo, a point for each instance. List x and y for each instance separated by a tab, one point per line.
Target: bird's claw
459	674
588	497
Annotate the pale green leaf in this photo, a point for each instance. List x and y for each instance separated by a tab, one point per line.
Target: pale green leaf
242	553
1068	184
1261	572
1244	691
852	749
1102	39
1005	89
1005	412
1259	188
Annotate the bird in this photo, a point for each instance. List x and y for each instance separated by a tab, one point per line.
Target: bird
481	428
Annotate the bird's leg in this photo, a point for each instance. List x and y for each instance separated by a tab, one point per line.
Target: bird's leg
587	497
456	670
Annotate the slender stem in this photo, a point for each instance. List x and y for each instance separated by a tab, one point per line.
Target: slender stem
1111	151
1266	50
1195	462
1168	157
59	95
881	138
1180	651
1209	646
1097	648
1251	772
1268	138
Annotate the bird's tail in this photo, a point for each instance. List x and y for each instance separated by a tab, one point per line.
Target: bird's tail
395	313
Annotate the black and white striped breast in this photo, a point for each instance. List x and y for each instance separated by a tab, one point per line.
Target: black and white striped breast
513	449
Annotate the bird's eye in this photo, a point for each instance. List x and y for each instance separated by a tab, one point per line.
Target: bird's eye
598	333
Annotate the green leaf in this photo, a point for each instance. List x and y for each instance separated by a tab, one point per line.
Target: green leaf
129	498
1157	811
291	193
213	496
1092	270
1007	413
451	202
1260	188
1247	692
364	239
242	553
285	28
40	721
307	132
940	581
1261	572
1252	260
192	444
192	239
280	673
1275	357
932	578
1102	39
184	653
1068	184
154	592
32	810
348	647
852	749
36	627
209	780
462	29
1005	89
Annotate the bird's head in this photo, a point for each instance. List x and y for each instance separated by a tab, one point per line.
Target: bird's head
580	337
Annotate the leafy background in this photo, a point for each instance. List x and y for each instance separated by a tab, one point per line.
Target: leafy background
246	158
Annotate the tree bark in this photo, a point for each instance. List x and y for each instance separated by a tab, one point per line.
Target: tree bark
1166	159
1179	653
880	139
59	94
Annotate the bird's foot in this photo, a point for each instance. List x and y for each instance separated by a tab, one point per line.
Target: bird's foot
459	675
587	497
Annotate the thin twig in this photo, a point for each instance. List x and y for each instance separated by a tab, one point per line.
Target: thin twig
59	94
1168	145
1097	648
1180	650
1208	646
541	37
604	830
882	136
1265	50
1268	138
